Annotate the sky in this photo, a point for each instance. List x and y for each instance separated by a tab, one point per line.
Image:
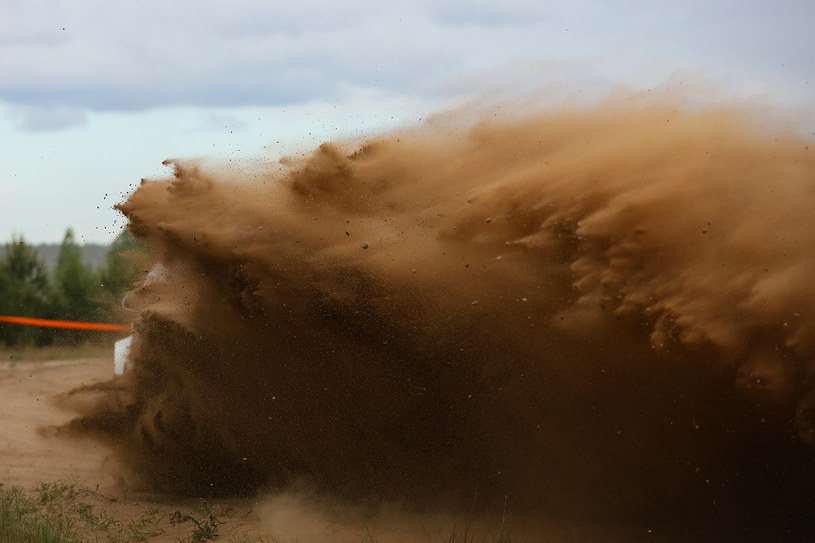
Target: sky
95	94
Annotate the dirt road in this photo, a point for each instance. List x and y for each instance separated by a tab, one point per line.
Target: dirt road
33	402
29	407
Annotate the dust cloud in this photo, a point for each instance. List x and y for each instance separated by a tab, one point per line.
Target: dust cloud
597	313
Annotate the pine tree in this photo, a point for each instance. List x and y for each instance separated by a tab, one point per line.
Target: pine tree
76	288
25	291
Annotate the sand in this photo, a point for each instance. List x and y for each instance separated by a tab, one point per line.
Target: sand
29	406
35	401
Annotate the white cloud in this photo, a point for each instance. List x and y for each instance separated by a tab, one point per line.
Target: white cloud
48	118
60	56
101	55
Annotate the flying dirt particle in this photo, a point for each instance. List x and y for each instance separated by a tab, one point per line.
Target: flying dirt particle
621	372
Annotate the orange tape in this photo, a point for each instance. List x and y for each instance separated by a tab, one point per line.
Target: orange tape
28	321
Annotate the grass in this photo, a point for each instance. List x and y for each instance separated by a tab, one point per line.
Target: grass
61	513
64	512
205	528
27	518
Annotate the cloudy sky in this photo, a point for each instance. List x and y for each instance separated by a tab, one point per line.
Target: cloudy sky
94	94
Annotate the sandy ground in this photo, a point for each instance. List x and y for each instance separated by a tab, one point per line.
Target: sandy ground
32	402
30	455
28	405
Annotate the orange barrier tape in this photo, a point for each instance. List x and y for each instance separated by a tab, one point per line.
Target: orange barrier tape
28	321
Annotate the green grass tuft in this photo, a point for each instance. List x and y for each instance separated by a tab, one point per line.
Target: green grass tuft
27	519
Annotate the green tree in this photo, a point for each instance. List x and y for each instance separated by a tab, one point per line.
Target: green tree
25	291
76	288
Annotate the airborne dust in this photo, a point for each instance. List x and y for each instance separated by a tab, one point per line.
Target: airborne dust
604	314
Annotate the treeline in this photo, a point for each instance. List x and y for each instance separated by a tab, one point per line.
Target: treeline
70	290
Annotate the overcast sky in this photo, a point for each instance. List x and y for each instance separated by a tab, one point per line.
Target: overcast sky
94	94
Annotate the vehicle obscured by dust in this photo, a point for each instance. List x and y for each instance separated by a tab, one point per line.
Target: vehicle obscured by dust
602	313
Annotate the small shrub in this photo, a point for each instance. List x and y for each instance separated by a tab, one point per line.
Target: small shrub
205	528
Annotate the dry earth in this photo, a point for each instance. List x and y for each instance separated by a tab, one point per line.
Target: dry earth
28	405
32	404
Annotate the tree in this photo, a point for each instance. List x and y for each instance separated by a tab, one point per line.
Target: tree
25	291
76	287
72	290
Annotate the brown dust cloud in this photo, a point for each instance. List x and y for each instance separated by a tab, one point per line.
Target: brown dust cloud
603	314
